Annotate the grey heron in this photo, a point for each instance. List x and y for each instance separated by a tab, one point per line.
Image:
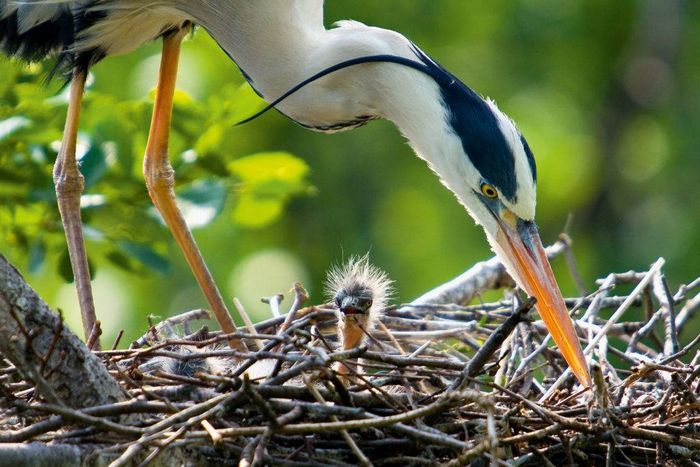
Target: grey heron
324	79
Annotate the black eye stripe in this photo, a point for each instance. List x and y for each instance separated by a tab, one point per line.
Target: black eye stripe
478	128
530	158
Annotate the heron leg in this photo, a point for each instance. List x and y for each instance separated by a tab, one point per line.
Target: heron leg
160	180
69	184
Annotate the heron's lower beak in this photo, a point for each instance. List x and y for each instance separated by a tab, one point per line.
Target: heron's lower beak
521	248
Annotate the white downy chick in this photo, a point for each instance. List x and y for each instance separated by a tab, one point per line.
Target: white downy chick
189	366
360	292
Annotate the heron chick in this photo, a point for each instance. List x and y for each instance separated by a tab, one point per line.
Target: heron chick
360	292
190	362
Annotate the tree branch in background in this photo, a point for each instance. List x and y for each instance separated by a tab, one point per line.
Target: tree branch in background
486	275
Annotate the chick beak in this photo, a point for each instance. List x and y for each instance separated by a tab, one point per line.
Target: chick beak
351	306
354	318
522	251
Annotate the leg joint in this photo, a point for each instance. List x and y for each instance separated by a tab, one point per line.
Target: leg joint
158	176
68	183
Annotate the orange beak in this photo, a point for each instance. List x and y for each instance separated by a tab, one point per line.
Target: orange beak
521	248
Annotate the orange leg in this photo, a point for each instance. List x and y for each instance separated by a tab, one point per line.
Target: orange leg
160	179
69	184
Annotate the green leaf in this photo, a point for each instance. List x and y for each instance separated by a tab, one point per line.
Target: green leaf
93	164
255	213
44	194
278	188
120	260
240	104
65	270
20	237
37	255
226	110
269	165
146	255
213	164
201	202
210	140
64	267
183	100
269	180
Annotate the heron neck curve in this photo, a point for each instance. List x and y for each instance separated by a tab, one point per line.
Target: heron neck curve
280	43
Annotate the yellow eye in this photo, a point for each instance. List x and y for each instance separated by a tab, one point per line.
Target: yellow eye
488	191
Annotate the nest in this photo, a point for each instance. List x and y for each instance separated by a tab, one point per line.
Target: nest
433	383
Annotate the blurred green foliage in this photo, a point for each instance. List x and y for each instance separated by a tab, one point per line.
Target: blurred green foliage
606	93
114	203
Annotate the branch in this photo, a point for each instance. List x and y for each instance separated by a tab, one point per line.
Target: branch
39	454
482	276
45	352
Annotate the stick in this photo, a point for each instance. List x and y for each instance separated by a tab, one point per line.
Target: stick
660	289
492	344
485	275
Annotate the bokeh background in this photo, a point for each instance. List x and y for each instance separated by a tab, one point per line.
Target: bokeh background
607	94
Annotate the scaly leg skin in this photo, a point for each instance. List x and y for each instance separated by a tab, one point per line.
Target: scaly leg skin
160	179
69	184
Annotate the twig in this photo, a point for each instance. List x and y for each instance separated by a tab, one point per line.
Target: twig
180	319
54	340
361	457
246	319
118	339
682	352
571	264
688	310
660	289
493	343
285	419
485	275
448	400
166	443
155	431
300	296
93	341
78	416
